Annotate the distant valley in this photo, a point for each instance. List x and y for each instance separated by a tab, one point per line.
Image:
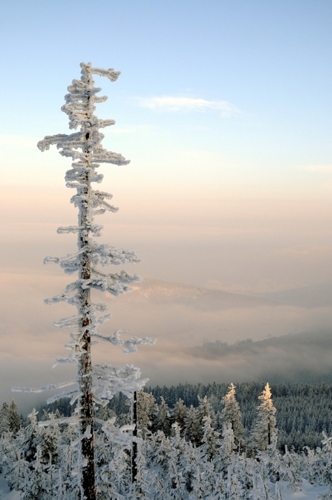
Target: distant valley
217	335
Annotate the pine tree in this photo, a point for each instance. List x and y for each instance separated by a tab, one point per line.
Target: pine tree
190	429
26	471
141	487
113	460
204	410
177	463
231	414
4	419
226	450
161	447
146	412
31	437
162	421
291	470
95	386
179	414
14	418
210	440
51	441
265	432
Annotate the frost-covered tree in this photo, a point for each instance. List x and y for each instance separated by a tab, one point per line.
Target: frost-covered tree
210	441
204	410
179	414
146	412
141	486
177	460
14	417
190	429
85	150
4	418
162	421
231	414
113	460
265	432
225	450
24	471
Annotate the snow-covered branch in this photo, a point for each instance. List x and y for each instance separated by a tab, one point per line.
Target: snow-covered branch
129	345
109	380
49	387
84	147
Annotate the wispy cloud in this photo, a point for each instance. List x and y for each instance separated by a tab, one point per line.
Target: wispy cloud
189	103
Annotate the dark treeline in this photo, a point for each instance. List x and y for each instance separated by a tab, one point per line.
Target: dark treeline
304	411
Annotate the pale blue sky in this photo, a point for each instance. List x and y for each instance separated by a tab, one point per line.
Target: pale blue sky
270	60
223	107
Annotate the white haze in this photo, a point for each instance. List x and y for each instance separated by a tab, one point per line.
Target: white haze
242	246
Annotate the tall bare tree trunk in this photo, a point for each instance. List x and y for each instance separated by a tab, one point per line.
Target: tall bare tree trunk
85	149
84	310
134	444
85	374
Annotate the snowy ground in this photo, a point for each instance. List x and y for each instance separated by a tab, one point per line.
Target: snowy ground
308	491
6	493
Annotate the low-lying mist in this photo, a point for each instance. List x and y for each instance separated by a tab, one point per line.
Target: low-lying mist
191	325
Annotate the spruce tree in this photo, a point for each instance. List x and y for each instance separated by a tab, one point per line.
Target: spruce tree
204	410
231	414
162	421
146	412
14	418
4	421
190	429
99	384
210	440
265	432
179	415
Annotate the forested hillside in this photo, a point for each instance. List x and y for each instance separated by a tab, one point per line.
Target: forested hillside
303	410
193	442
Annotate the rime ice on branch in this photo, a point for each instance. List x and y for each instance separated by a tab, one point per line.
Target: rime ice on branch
85	149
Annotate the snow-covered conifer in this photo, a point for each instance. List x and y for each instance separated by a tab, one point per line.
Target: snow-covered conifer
162	421
32	437
204	410
325	463
290	468
14	418
190	429
146	412
231	414
234	487
4	418
86	152
176	464
141	488
160	450
210	440
265	432
113	460
50	441
30	468
227	447
179	414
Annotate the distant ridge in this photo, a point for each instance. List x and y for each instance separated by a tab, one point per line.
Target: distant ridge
206	299
318	295
296	357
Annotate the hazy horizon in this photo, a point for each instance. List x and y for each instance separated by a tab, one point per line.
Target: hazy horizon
224	110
